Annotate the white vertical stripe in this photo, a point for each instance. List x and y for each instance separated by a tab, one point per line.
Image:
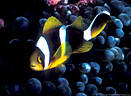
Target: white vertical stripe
87	34
62	34
43	46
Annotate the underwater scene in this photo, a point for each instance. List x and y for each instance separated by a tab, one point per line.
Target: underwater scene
65	48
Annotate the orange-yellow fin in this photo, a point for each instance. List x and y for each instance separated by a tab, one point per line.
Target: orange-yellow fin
64	49
78	23
51	23
85	47
61	55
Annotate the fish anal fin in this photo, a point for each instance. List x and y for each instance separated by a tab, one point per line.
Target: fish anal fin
85	47
78	24
51	23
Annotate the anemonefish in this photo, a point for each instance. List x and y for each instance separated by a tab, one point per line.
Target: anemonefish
57	41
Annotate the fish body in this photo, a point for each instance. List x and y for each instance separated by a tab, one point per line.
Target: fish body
57	41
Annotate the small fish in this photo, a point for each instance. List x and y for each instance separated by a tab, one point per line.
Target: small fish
58	41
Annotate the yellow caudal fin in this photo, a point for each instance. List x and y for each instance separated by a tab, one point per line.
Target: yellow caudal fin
51	23
78	24
60	56
85	47
99	23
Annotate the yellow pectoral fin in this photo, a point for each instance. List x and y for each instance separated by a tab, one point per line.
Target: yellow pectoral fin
57	62
78	24
57	53
51	23
63	50
61	55
85	47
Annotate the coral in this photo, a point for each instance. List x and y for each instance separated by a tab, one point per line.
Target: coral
85	2
52	2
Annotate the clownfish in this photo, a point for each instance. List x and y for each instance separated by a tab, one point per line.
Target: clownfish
58	41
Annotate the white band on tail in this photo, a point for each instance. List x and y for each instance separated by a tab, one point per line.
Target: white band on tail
87	32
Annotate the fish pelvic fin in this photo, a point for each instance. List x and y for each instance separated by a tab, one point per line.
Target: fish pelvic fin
78	24
85	47
51	23
60	56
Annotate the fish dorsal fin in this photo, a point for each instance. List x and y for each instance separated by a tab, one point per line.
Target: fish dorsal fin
51	23
85	47
78	23
61	55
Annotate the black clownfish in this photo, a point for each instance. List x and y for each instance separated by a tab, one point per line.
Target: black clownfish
59	41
